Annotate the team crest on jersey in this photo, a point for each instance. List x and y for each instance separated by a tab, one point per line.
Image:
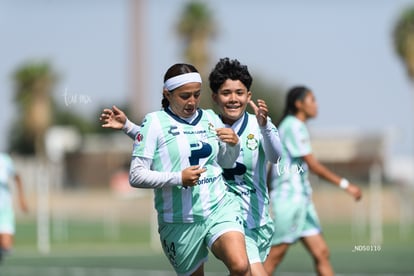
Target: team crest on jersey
251	142
211	127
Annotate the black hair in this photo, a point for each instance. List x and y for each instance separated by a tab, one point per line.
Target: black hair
296	93
176	70
229	69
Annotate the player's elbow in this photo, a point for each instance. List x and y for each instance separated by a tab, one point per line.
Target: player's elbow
135	179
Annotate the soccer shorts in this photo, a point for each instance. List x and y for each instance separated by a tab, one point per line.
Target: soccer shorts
6	215
294	220
186	244
258	242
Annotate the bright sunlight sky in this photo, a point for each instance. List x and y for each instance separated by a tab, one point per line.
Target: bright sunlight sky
341	49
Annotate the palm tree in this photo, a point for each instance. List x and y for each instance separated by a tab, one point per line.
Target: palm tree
33	86
404	46
403	35
196	27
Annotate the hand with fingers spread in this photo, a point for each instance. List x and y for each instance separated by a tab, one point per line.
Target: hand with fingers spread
260	110
191	175
113	118
227	135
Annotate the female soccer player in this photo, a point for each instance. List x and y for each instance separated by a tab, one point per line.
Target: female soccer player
179	152
293	211
230	83
7	222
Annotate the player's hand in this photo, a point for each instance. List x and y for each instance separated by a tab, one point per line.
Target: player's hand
354	191
23	205
260	110
191	175
113	118
227	135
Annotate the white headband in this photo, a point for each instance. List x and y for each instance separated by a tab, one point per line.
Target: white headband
180	80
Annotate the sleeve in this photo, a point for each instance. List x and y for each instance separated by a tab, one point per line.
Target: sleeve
297	141
10	165
140	175
271	142
130	129
228	155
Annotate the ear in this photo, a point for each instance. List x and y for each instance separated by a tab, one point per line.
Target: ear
249	95
298	105
214	96
166	93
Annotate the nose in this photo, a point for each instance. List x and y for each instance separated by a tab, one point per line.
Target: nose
232	96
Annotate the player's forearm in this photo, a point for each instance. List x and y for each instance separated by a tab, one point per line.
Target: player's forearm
130	129
271	142
140	176
325	173
228	154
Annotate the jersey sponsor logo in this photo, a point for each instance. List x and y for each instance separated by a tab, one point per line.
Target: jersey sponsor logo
198	151
207	180
246	192
173	131
139	137
229	174
195	132
251	142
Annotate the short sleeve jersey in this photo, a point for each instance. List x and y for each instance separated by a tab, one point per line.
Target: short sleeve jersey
248	178
173	145
290	174
7	171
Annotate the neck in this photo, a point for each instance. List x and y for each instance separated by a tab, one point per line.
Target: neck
227	121
301	116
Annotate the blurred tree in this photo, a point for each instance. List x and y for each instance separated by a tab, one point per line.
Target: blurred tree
196	26
403	35
37	110
272	94
33	84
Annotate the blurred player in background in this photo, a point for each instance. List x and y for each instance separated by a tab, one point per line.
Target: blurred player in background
7	220
179	152
293	211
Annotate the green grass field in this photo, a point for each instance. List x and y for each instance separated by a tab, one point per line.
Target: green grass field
86	249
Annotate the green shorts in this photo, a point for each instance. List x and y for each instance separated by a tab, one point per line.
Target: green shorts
294	220
7	224
186	244
258	242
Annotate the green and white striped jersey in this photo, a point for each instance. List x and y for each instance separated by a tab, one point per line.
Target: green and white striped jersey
173	145
290	174
248	179
7	171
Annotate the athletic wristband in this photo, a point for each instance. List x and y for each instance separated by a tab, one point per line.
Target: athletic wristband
344	183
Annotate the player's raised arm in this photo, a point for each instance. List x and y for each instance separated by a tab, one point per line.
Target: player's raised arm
116	118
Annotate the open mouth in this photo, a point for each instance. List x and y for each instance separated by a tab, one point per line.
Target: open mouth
233	107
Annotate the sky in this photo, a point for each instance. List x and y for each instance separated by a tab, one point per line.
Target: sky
341	49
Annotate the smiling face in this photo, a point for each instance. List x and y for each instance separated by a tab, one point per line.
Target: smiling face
185	99
232	99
